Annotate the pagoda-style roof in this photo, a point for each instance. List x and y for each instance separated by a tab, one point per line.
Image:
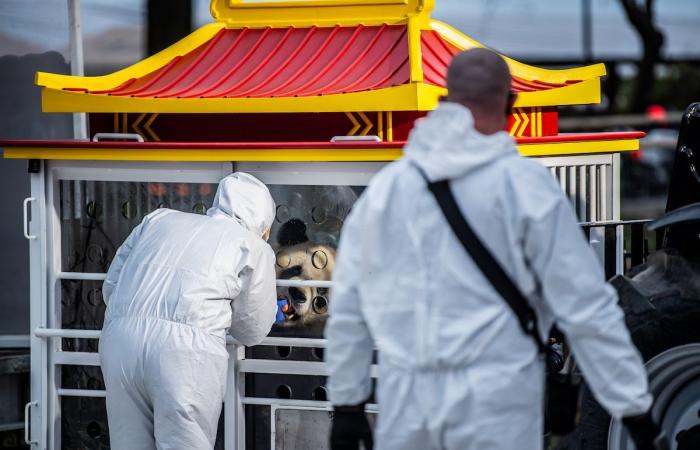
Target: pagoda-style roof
306	56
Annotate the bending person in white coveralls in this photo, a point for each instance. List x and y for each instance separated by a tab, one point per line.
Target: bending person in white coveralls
174	288
456	372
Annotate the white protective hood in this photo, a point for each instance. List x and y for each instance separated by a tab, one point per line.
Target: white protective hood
246	199
449	132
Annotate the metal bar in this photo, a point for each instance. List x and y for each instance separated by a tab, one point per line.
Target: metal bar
305	283
583	194
95	334
93	393
62	333
75	359
81	276
280	283
613	223
76	62
294	342
301	404
288	367
12	426
592	181
14	341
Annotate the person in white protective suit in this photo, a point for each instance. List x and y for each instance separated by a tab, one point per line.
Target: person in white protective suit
455	370
174	288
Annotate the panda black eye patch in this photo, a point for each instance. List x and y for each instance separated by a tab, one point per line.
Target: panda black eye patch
291	272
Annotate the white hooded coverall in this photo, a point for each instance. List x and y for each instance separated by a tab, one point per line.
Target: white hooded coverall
175	286
455	369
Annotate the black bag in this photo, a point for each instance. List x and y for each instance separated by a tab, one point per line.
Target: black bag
562	395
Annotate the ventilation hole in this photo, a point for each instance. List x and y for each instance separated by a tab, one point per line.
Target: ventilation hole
163	205
205	189
199	208
94	297
128	210
92	209
319	259
284	352
283	259
319	394
282	214
283	391
94	430
319	214
182	189
320	304
157	189
318	353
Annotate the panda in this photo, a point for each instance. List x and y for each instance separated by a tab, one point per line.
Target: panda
297	258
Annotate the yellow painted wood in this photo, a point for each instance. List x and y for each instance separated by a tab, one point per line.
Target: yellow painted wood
321	13
291	155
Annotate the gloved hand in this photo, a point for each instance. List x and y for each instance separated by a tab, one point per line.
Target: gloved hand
350	427
645	433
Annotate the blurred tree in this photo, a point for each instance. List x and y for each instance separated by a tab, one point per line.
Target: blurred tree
640	14
168	22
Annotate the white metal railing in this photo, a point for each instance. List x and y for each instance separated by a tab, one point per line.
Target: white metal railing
86	276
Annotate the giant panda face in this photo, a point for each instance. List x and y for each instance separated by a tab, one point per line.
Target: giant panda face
306	261
305	234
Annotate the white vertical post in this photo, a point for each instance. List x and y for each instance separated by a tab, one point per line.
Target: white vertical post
616	193
234	414
38	312
76	62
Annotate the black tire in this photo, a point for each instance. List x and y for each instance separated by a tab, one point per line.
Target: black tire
674	321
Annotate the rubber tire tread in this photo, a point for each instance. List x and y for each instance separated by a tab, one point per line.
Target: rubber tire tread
674	322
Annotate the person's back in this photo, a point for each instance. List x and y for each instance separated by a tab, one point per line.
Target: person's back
174	288
185	269
455	369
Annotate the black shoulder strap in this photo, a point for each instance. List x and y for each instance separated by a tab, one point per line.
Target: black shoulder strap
491	269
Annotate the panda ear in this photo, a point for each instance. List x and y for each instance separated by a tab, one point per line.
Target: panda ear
292	232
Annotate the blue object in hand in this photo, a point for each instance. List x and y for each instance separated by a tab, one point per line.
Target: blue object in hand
281	317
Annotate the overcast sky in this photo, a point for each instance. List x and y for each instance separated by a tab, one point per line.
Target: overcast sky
521	28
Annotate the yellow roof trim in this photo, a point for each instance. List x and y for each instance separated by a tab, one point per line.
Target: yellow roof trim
397	98
407	97
585	92
292	155
521	70
140	69
320	13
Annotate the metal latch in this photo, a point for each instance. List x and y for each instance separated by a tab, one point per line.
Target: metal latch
117	136
27	439
25	221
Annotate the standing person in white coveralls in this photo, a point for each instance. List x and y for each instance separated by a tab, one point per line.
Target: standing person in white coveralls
174	288
456	371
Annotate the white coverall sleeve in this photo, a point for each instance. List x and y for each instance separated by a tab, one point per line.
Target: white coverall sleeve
350	344
585	308
120	258
255	308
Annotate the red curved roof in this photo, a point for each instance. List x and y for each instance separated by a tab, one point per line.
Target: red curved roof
437	54
297	62
281	62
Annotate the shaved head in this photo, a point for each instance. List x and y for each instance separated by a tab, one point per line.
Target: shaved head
480	80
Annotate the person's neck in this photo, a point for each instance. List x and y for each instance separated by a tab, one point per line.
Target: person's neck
485	122
488	125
